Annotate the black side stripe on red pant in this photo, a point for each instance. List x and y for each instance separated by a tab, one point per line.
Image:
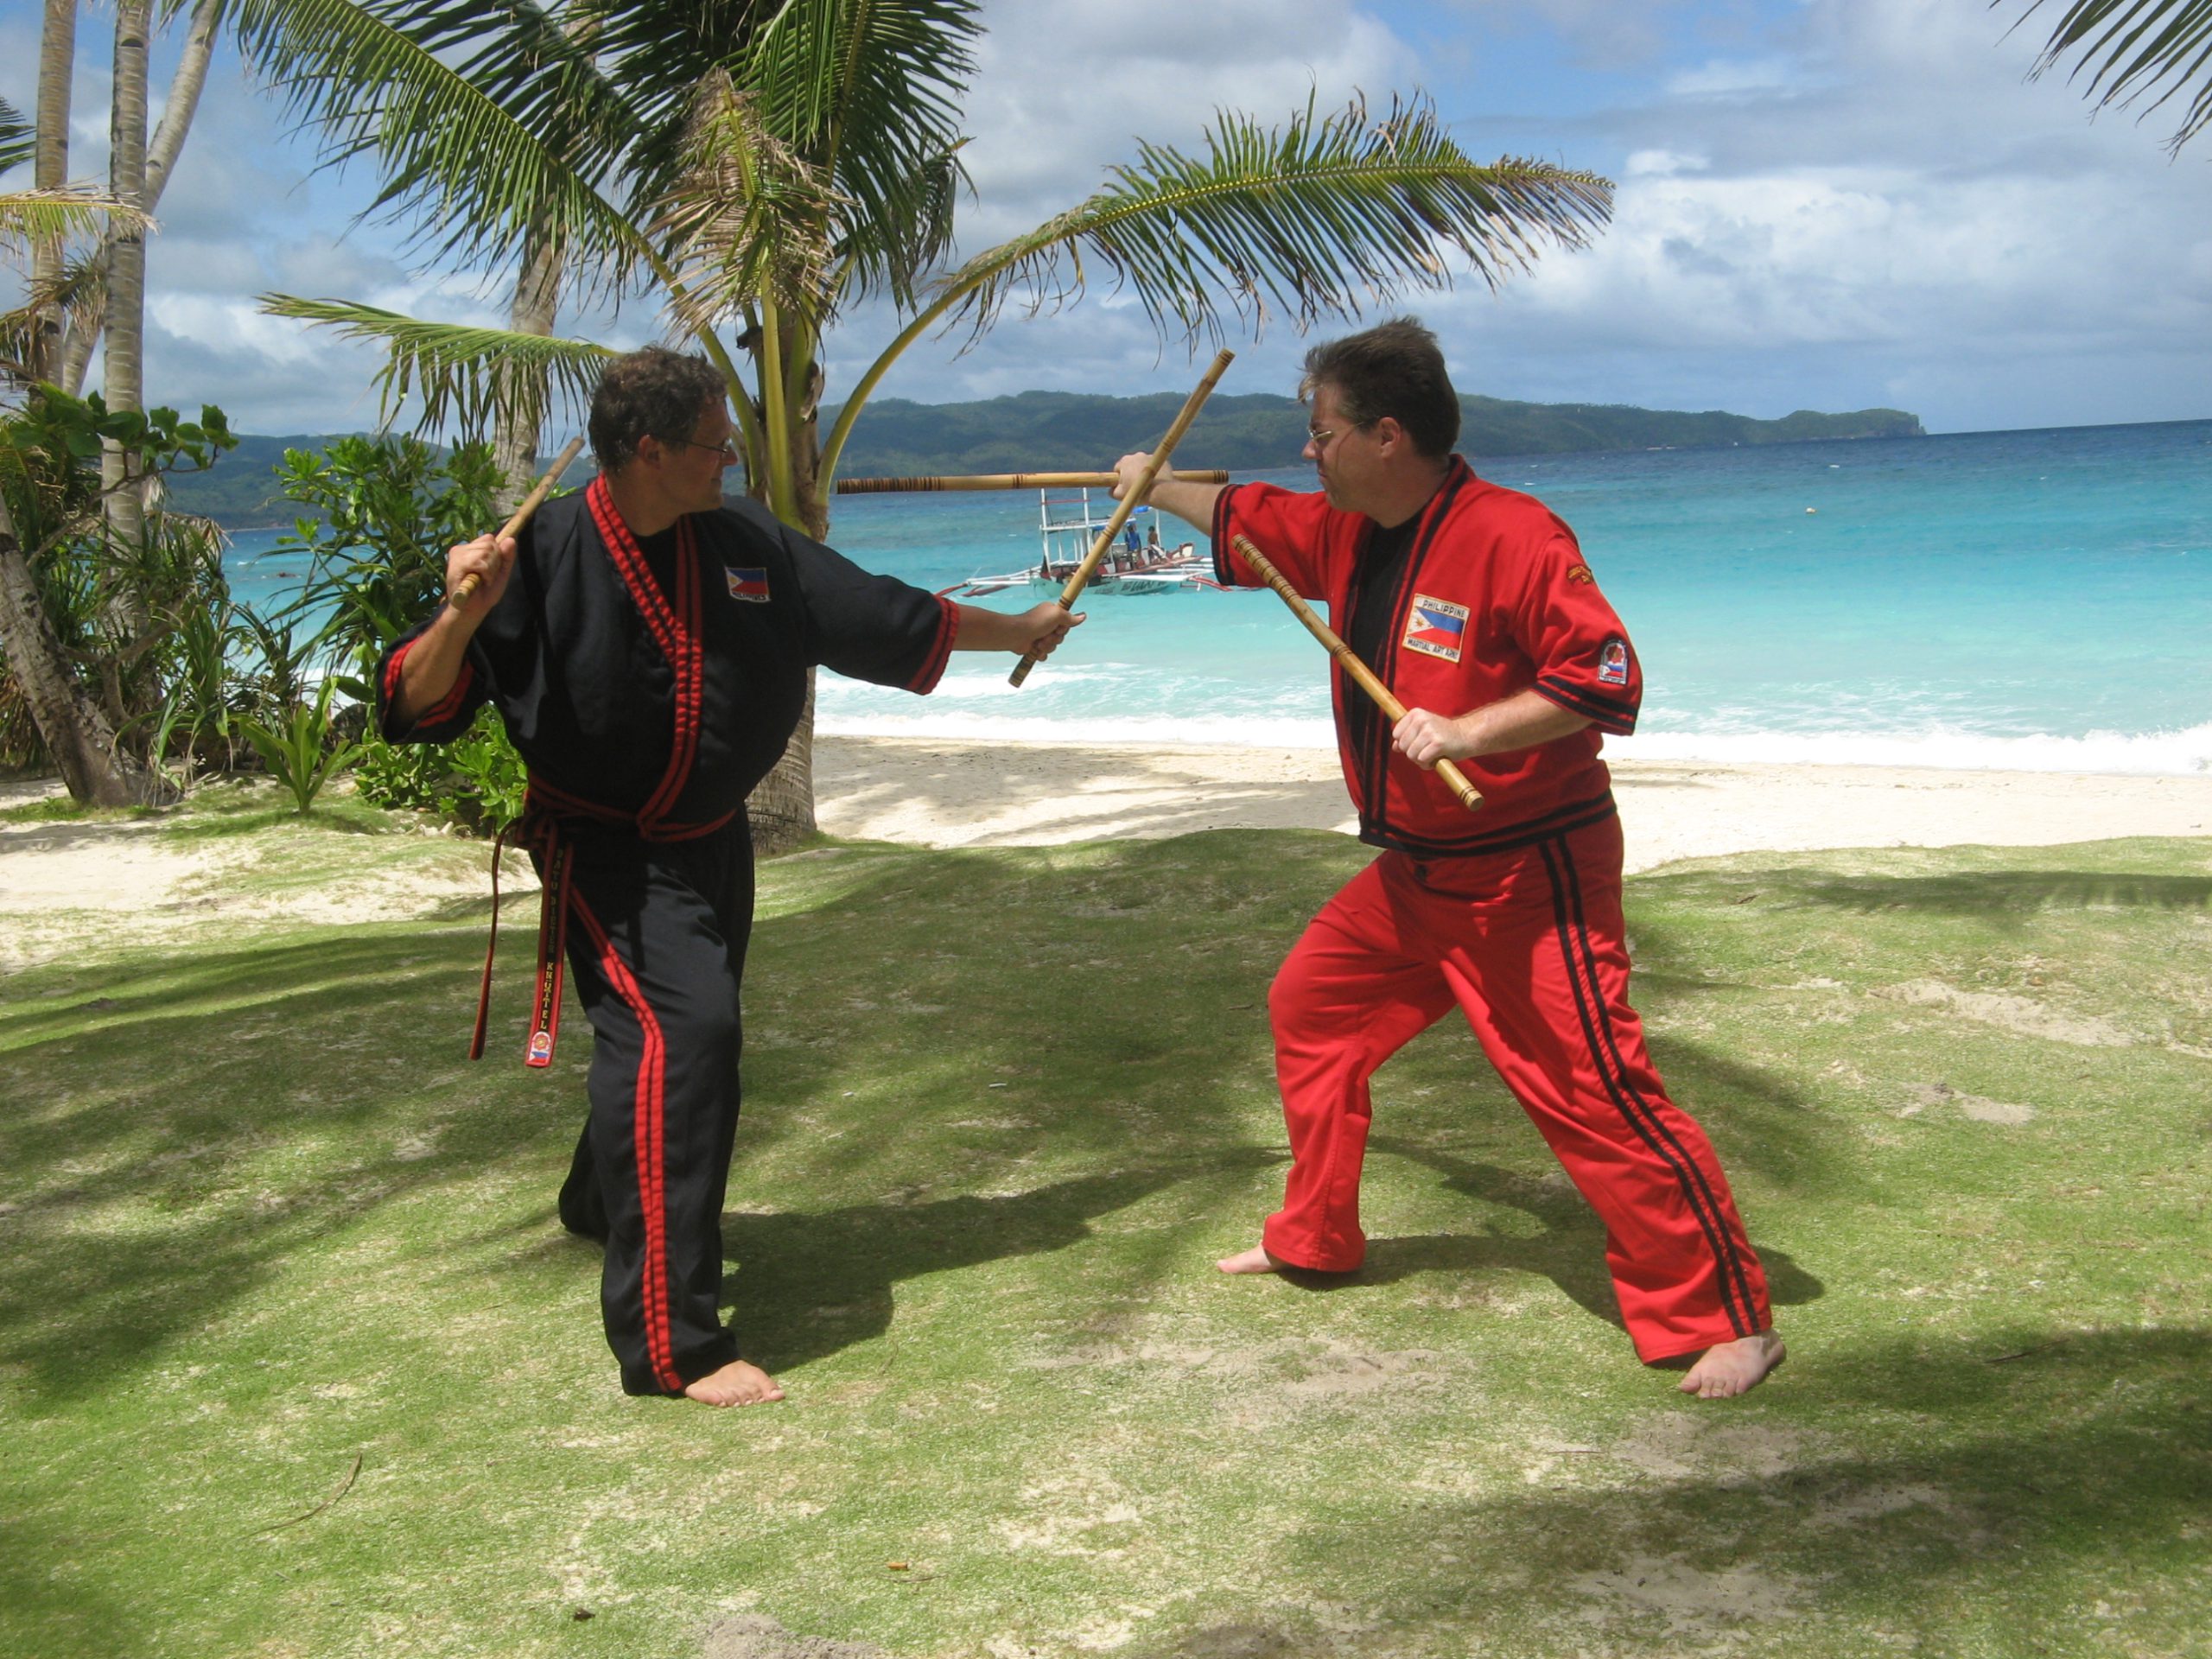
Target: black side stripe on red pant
1589	1005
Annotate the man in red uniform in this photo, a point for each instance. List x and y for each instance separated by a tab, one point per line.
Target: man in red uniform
1475	605
647	646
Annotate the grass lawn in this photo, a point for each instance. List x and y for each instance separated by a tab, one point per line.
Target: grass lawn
295	1360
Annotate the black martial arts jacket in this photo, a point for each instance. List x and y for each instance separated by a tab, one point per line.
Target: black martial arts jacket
654	684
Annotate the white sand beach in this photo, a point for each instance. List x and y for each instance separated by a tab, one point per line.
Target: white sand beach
944	793
948	793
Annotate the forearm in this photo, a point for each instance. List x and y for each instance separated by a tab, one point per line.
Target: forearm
1519	721
432	667
1037	630
1192	503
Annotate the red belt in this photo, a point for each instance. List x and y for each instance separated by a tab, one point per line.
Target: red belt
540	828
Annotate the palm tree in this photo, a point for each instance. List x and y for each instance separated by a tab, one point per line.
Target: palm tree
181	104
63	303
765	168
57	59
124	379
2134	49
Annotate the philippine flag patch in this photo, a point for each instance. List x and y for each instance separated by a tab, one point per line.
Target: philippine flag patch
749	585
1436	627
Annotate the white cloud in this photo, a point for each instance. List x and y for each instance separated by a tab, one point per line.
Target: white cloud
1823	203
1064	90
1663	163
1725	78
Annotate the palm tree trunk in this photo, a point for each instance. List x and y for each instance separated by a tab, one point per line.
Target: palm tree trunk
69	722
185	87
123	382
57	59
781	805
522	407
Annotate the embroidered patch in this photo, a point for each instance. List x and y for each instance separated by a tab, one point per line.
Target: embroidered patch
541	1048
1612	663
749	585
1581	573
1436	627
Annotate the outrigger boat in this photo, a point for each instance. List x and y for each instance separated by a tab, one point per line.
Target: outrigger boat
1067	526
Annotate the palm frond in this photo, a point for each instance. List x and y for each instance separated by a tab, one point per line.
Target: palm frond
2135	49
870	92
659	54
463	375
1325	218
1329	216
29	216
746	219
18	137
375	81
80	292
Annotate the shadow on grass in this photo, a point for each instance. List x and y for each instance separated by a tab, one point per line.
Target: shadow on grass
828	1274
70	1616
195	1120
1992	895
200	1120
1982	1509
208	1118
338	817
1569	1249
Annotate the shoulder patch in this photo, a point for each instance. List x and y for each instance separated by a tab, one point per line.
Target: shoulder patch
1435	627
748	583
1612	663
1581	573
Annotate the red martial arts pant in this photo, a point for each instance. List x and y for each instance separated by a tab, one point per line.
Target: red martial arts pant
1528	942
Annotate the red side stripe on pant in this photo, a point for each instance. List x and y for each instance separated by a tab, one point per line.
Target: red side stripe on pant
1589	1004
652	1193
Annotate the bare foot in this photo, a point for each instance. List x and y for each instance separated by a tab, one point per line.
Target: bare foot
737	1384
1255	1260
1728	1369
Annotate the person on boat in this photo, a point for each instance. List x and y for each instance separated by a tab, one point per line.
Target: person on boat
1474	604
647	645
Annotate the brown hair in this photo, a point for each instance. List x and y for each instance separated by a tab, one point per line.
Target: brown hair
1395	369
651	390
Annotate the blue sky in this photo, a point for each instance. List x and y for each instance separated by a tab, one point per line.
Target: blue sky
1825	204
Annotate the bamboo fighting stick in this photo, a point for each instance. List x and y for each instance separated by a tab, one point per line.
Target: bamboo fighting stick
1130	502
1470	797
465	589
1001	481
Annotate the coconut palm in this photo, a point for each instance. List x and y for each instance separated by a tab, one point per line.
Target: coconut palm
56	63
762	168
2134	50
178	107
125	377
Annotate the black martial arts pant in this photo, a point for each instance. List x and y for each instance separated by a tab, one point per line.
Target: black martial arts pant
656	935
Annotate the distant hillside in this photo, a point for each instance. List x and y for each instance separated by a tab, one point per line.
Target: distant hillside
1052	430
1036	430
240	491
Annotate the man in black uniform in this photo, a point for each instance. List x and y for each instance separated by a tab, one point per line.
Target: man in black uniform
647	646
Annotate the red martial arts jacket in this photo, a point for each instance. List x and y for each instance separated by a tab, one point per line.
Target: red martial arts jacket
1495	598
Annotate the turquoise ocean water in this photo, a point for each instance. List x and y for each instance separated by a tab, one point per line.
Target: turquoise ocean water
2036	601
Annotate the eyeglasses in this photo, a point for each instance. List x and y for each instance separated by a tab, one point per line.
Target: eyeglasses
1322	437
727	447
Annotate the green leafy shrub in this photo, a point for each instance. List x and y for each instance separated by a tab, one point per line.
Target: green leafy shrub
389	509
476	781
301	750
